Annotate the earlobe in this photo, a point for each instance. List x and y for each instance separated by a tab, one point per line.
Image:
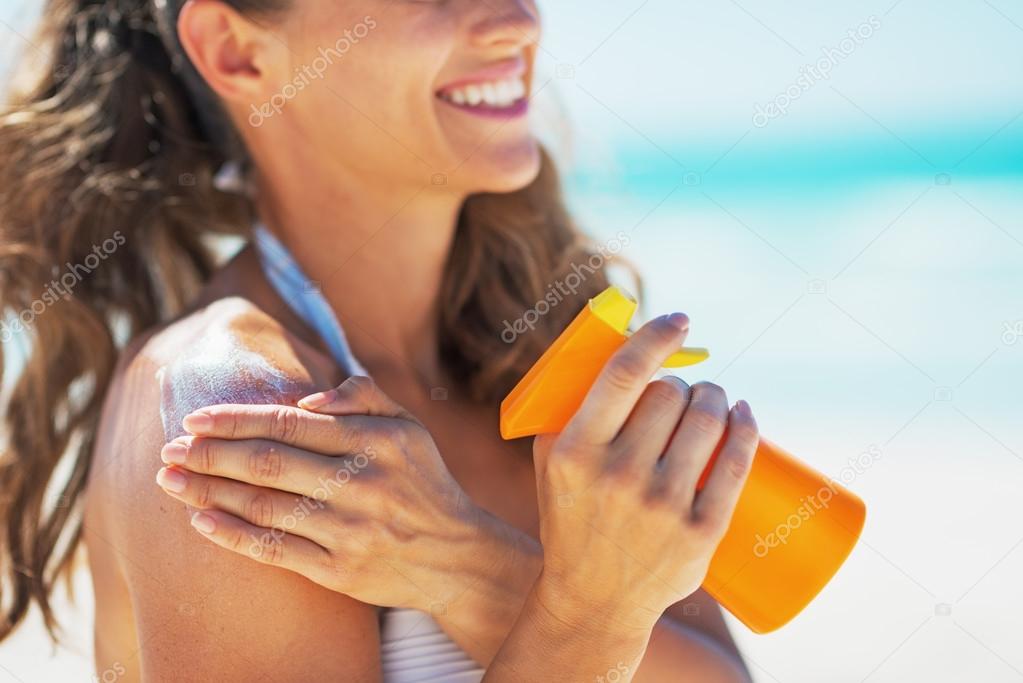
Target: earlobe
222	46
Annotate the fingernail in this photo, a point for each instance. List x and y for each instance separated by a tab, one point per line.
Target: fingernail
174	453
204	523
743	408
197	422
318	400
679	321
171	480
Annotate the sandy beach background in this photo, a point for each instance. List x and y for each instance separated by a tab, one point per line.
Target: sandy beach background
855	264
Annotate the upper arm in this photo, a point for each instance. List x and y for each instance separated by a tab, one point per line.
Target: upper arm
202	613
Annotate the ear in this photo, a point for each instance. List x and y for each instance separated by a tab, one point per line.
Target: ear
230	52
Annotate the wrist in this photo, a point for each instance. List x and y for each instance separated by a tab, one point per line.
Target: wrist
573	605
498	565
568	624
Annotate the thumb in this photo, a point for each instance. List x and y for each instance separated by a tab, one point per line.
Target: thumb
357	395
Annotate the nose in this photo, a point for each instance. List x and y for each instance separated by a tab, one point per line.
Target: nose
505	23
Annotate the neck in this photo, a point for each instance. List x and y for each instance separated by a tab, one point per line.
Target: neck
378	255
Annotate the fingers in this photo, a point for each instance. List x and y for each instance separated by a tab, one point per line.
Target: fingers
258	506
254	461
357	395
326	434
649	429
624	378
695	440
716	501
269	546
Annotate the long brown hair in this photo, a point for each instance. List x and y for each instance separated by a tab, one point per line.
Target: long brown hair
107	170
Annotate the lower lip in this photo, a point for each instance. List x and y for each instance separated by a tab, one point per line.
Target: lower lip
513	112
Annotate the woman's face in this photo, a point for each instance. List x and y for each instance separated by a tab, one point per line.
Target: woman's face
407	93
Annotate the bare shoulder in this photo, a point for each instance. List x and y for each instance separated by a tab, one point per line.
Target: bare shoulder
229	351
199	612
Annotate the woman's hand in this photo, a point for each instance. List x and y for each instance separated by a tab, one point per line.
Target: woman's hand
354	496
625	530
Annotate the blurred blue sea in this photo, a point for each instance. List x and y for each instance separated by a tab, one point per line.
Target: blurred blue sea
855	266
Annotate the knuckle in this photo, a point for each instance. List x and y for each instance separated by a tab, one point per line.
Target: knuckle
622	477
236	540
271	549
338	567
401	436
571	448
736	462
260	510
663	505
705	419
710	525
409	434
670	481
203	454
623	370
285	424
668	393
566	466
224	422
204	495
266	463
745	433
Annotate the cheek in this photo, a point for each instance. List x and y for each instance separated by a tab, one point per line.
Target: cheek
373	75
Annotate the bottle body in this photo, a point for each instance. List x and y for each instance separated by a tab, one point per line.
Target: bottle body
792	527
791	531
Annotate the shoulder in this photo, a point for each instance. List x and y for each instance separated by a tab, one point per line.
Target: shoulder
226	615
228	351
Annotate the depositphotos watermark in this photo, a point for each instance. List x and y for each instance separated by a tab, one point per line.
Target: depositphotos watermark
619	672
561	289
109	675
810	505
811	74
306	504
62	287
1012	332
307	73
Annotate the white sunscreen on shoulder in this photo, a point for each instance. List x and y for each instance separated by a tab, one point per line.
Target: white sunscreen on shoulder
218	369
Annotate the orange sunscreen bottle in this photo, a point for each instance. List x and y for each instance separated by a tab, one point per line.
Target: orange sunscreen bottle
792	527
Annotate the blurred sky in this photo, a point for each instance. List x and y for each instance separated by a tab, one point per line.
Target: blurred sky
855	266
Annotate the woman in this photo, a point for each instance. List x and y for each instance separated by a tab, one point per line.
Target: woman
402	210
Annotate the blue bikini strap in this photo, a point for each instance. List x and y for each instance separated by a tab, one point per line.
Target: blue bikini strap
304	297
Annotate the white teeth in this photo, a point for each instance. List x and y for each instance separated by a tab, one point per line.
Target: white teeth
490	94
497	94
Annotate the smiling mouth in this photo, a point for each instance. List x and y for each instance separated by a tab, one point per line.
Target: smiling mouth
500	97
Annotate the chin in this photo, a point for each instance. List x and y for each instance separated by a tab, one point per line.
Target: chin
507	171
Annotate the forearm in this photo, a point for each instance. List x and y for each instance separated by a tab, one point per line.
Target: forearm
502	568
